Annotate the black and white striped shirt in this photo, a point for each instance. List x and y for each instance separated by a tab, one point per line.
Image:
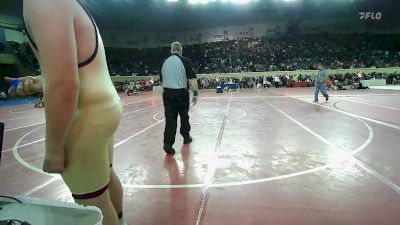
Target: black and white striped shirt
176	71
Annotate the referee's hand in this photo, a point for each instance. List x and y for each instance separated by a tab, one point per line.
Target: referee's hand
194	100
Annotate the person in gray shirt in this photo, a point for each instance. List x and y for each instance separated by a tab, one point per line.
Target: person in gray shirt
320	85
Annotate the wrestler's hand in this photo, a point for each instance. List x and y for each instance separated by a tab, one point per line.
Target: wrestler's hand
194	100
54	162
28	86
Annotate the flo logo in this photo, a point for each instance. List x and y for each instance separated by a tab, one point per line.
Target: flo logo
370	15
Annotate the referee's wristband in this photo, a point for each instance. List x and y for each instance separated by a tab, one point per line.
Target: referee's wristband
195	93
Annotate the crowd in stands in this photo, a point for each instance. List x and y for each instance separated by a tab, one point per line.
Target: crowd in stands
334	81
393	78
254	82
136	86
23	53
268	54
257	54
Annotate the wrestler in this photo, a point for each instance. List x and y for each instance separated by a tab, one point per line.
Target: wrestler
82	107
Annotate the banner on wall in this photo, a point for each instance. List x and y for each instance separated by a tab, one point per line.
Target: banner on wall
244	34
226	36
218	37
247	34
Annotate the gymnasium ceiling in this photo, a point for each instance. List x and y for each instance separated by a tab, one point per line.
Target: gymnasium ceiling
160	15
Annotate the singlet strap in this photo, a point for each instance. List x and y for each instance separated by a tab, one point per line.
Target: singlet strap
94	54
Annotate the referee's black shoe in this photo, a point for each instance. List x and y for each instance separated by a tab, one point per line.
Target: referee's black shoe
169	149
187	140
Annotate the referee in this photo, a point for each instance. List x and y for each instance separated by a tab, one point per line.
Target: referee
175	75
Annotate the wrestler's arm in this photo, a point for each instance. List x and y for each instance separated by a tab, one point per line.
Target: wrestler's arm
51	24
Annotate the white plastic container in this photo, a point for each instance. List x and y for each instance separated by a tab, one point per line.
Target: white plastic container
37	211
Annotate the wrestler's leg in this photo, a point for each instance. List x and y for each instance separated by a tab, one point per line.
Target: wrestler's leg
105	205
88	171
115	187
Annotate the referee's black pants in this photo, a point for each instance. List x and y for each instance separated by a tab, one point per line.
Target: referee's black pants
176	101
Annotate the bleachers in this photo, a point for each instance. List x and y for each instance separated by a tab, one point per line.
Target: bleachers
262	54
